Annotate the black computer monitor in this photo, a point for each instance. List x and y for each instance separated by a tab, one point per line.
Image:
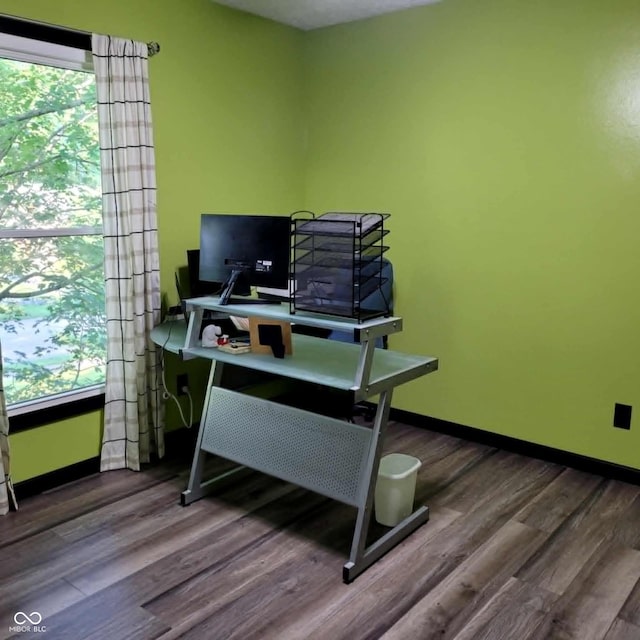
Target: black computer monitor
243	251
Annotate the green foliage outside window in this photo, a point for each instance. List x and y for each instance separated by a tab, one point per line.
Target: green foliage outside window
52	319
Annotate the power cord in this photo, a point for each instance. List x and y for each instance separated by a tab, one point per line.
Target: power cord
166	394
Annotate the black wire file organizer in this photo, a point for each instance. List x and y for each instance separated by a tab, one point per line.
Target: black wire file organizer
338	263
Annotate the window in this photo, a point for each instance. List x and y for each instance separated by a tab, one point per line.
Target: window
52	320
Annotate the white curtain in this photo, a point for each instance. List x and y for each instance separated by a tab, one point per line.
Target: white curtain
7	496
134	408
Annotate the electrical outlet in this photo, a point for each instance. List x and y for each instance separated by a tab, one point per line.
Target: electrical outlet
182	382
622	416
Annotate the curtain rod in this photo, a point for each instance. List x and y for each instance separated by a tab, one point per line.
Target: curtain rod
55	34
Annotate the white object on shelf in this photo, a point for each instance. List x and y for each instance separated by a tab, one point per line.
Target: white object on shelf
210	335
395	488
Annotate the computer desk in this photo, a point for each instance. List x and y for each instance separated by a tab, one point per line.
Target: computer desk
332	457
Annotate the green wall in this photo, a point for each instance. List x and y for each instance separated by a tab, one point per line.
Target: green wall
502	135
504	138
228	131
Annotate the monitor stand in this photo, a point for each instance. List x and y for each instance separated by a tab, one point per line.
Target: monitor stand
227	289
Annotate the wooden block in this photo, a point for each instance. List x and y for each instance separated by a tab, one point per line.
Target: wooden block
260	341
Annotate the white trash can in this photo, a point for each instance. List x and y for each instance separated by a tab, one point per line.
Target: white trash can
395	488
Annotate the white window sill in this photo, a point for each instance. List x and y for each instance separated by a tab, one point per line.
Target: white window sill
52	401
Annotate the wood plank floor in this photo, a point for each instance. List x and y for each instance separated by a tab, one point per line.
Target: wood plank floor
516	548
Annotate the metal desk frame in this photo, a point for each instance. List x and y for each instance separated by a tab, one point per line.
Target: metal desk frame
332	457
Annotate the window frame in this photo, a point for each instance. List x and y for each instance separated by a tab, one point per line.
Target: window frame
42	411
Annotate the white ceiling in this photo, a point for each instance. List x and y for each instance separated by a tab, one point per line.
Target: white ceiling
312	14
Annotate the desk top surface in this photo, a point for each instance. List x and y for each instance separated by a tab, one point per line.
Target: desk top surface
327	362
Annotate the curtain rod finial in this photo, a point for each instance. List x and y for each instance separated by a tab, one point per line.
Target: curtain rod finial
153	48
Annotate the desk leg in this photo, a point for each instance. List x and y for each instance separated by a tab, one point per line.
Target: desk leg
361	556
196	488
